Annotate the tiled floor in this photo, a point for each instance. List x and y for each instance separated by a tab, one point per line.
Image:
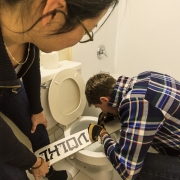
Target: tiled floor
63	164
81	176
77	174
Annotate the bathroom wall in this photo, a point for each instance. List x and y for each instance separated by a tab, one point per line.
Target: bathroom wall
148	38
140	35
86	53
65	54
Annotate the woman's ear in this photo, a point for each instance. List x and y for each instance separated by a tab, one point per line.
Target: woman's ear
52	5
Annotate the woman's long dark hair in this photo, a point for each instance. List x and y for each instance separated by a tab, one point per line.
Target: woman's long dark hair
84	9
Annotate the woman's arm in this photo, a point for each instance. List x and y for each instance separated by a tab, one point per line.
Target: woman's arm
32	82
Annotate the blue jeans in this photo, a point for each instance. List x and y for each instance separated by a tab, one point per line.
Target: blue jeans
160	167
16	108
10	172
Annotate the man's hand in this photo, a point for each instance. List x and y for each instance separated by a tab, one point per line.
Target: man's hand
38	119
94	131
104	118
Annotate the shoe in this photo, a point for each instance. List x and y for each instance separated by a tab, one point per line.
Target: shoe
60	174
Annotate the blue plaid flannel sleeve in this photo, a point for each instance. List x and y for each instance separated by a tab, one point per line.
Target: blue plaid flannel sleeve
140	121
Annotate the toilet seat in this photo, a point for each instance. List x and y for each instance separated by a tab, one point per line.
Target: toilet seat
67	106
66	96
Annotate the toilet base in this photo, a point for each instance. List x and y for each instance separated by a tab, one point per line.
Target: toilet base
92	171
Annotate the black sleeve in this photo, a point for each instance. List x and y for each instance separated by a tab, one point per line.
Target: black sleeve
32	82
12	150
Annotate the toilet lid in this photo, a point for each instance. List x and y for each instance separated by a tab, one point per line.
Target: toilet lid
67	96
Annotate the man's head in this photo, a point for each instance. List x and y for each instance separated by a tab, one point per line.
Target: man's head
99	89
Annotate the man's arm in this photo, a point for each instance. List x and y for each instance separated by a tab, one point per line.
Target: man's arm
140	121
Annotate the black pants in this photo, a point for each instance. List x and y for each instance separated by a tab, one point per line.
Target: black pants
16	108
160	167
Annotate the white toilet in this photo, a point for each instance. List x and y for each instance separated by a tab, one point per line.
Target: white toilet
63	100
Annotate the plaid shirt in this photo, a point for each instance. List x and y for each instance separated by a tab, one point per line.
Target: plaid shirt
149	112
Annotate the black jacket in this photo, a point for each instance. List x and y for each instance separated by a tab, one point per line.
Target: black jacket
11	150
30	74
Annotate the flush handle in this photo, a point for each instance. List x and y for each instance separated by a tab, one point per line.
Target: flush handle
44	86
101	52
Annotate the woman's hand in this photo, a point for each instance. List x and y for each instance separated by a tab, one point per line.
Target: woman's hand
38	119
40	168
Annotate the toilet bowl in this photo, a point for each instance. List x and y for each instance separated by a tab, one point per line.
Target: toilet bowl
91	160
63	100
92	154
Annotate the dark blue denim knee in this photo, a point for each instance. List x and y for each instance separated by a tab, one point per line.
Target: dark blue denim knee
10	172
160	167
16	108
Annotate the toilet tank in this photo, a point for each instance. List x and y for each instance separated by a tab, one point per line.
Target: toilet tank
46	78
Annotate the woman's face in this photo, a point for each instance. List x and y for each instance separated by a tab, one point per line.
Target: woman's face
58	42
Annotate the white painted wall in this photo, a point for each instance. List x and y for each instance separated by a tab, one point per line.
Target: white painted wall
86	53
148	38
140	35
